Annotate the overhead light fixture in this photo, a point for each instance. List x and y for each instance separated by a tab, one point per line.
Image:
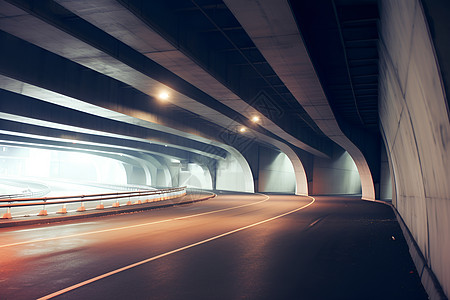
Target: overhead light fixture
163	96
255	119
242	129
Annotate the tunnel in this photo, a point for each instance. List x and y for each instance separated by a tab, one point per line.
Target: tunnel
193	106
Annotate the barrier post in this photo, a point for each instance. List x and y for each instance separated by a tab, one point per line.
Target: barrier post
43	212
100	206
63	210
116	204
7	215
81	208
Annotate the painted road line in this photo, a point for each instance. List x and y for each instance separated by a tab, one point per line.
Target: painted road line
131	226
316	221
86	282
59	226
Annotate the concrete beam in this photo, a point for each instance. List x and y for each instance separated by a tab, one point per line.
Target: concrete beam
113	58
131	27
30	111
273	29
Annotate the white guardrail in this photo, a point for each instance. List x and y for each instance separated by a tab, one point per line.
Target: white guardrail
139	197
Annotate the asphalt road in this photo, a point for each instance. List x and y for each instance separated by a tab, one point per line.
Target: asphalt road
229	247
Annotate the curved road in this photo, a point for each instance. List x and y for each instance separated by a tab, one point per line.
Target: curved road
229	247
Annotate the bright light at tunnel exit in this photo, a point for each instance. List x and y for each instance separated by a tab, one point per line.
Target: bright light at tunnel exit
74	166
163	96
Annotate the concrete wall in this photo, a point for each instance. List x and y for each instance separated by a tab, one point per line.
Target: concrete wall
276	173
337	175
195	176
279	168
415	123
230	175
135	175
385	176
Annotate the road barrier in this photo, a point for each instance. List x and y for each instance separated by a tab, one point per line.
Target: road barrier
140	197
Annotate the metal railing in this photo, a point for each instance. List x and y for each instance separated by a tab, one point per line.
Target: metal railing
141	196
29	189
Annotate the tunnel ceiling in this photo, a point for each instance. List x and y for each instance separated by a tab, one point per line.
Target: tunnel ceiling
73	37
230	54
341	36
342	39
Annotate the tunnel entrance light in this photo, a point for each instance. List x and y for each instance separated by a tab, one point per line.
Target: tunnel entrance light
163	96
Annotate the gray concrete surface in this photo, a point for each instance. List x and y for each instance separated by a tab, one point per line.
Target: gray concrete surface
416	128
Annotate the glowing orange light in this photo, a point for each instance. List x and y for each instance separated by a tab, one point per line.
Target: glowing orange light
255	119
243	129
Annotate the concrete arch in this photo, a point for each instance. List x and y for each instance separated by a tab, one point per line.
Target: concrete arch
243	177
365	175
146	168
161	173
136	161
301	181
155	170
247	173
196	176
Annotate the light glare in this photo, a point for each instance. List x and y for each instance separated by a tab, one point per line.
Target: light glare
163	96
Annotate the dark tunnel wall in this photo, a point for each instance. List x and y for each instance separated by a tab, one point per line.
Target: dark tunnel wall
416	128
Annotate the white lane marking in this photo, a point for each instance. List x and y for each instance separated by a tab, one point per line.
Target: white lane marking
67	225
86	282
131	226
317	221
